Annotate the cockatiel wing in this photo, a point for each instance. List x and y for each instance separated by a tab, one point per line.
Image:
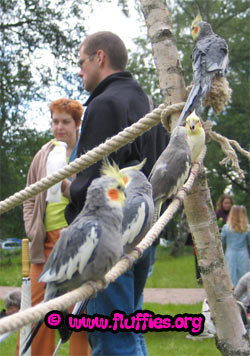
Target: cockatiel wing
172	172
79	240
215	50
136	213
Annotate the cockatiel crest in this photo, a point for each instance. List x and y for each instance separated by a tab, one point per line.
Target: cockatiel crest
195	28
124	171
114	171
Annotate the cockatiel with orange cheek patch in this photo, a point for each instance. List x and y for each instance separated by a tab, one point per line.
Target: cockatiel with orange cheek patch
90	245
209	59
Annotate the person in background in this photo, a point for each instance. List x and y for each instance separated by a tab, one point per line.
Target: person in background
44	220
235	236
223	206
116	101
242	290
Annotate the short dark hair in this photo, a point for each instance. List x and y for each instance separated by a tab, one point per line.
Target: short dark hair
111	44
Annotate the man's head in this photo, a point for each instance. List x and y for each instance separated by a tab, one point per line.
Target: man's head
101	54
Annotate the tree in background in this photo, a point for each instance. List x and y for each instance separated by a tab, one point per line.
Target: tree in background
28	28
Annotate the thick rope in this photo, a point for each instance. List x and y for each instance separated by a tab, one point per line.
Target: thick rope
91	157
63	302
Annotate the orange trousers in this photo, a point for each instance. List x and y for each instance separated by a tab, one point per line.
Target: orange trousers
44	342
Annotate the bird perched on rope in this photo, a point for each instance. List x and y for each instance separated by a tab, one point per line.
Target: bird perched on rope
209	59
89	246
138	209
171	169
196	135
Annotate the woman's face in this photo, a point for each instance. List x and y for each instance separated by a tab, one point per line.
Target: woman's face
64	128
226	204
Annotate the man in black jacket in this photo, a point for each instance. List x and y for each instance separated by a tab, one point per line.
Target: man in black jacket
116	101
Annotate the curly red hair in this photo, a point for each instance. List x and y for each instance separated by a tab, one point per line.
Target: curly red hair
71	107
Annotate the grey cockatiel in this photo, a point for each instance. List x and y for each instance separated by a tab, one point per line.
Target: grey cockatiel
89	246
138	209
209	59
171	169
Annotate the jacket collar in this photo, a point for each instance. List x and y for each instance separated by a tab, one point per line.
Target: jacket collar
102	86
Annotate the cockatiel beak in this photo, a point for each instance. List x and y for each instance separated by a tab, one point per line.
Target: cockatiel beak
191	125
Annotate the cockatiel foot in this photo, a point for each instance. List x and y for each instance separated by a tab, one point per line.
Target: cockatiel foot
185	190
130	260
95	288
140	252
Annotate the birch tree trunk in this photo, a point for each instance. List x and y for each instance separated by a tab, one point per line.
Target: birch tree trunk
231	334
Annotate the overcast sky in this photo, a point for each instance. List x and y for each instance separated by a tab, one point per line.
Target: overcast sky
105	17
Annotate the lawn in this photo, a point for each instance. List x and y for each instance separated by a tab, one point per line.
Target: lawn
169	272
173	272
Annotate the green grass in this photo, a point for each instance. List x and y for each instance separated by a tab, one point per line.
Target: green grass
169	272
175	343
173	272
10	268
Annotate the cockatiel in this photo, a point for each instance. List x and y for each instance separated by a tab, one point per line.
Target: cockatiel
138	209
56	160
209	59
196	135
171	169
89	246
138	212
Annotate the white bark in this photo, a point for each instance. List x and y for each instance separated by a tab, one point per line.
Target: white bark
167	61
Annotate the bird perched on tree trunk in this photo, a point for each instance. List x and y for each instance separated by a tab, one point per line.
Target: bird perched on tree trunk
196	135
89	246
209	59
171	169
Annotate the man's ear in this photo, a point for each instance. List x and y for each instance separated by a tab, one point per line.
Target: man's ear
101	57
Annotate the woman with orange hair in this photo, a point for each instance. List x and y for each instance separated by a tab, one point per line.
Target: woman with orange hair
236	240
44	220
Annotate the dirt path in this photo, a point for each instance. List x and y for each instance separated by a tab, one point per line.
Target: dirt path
155	295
